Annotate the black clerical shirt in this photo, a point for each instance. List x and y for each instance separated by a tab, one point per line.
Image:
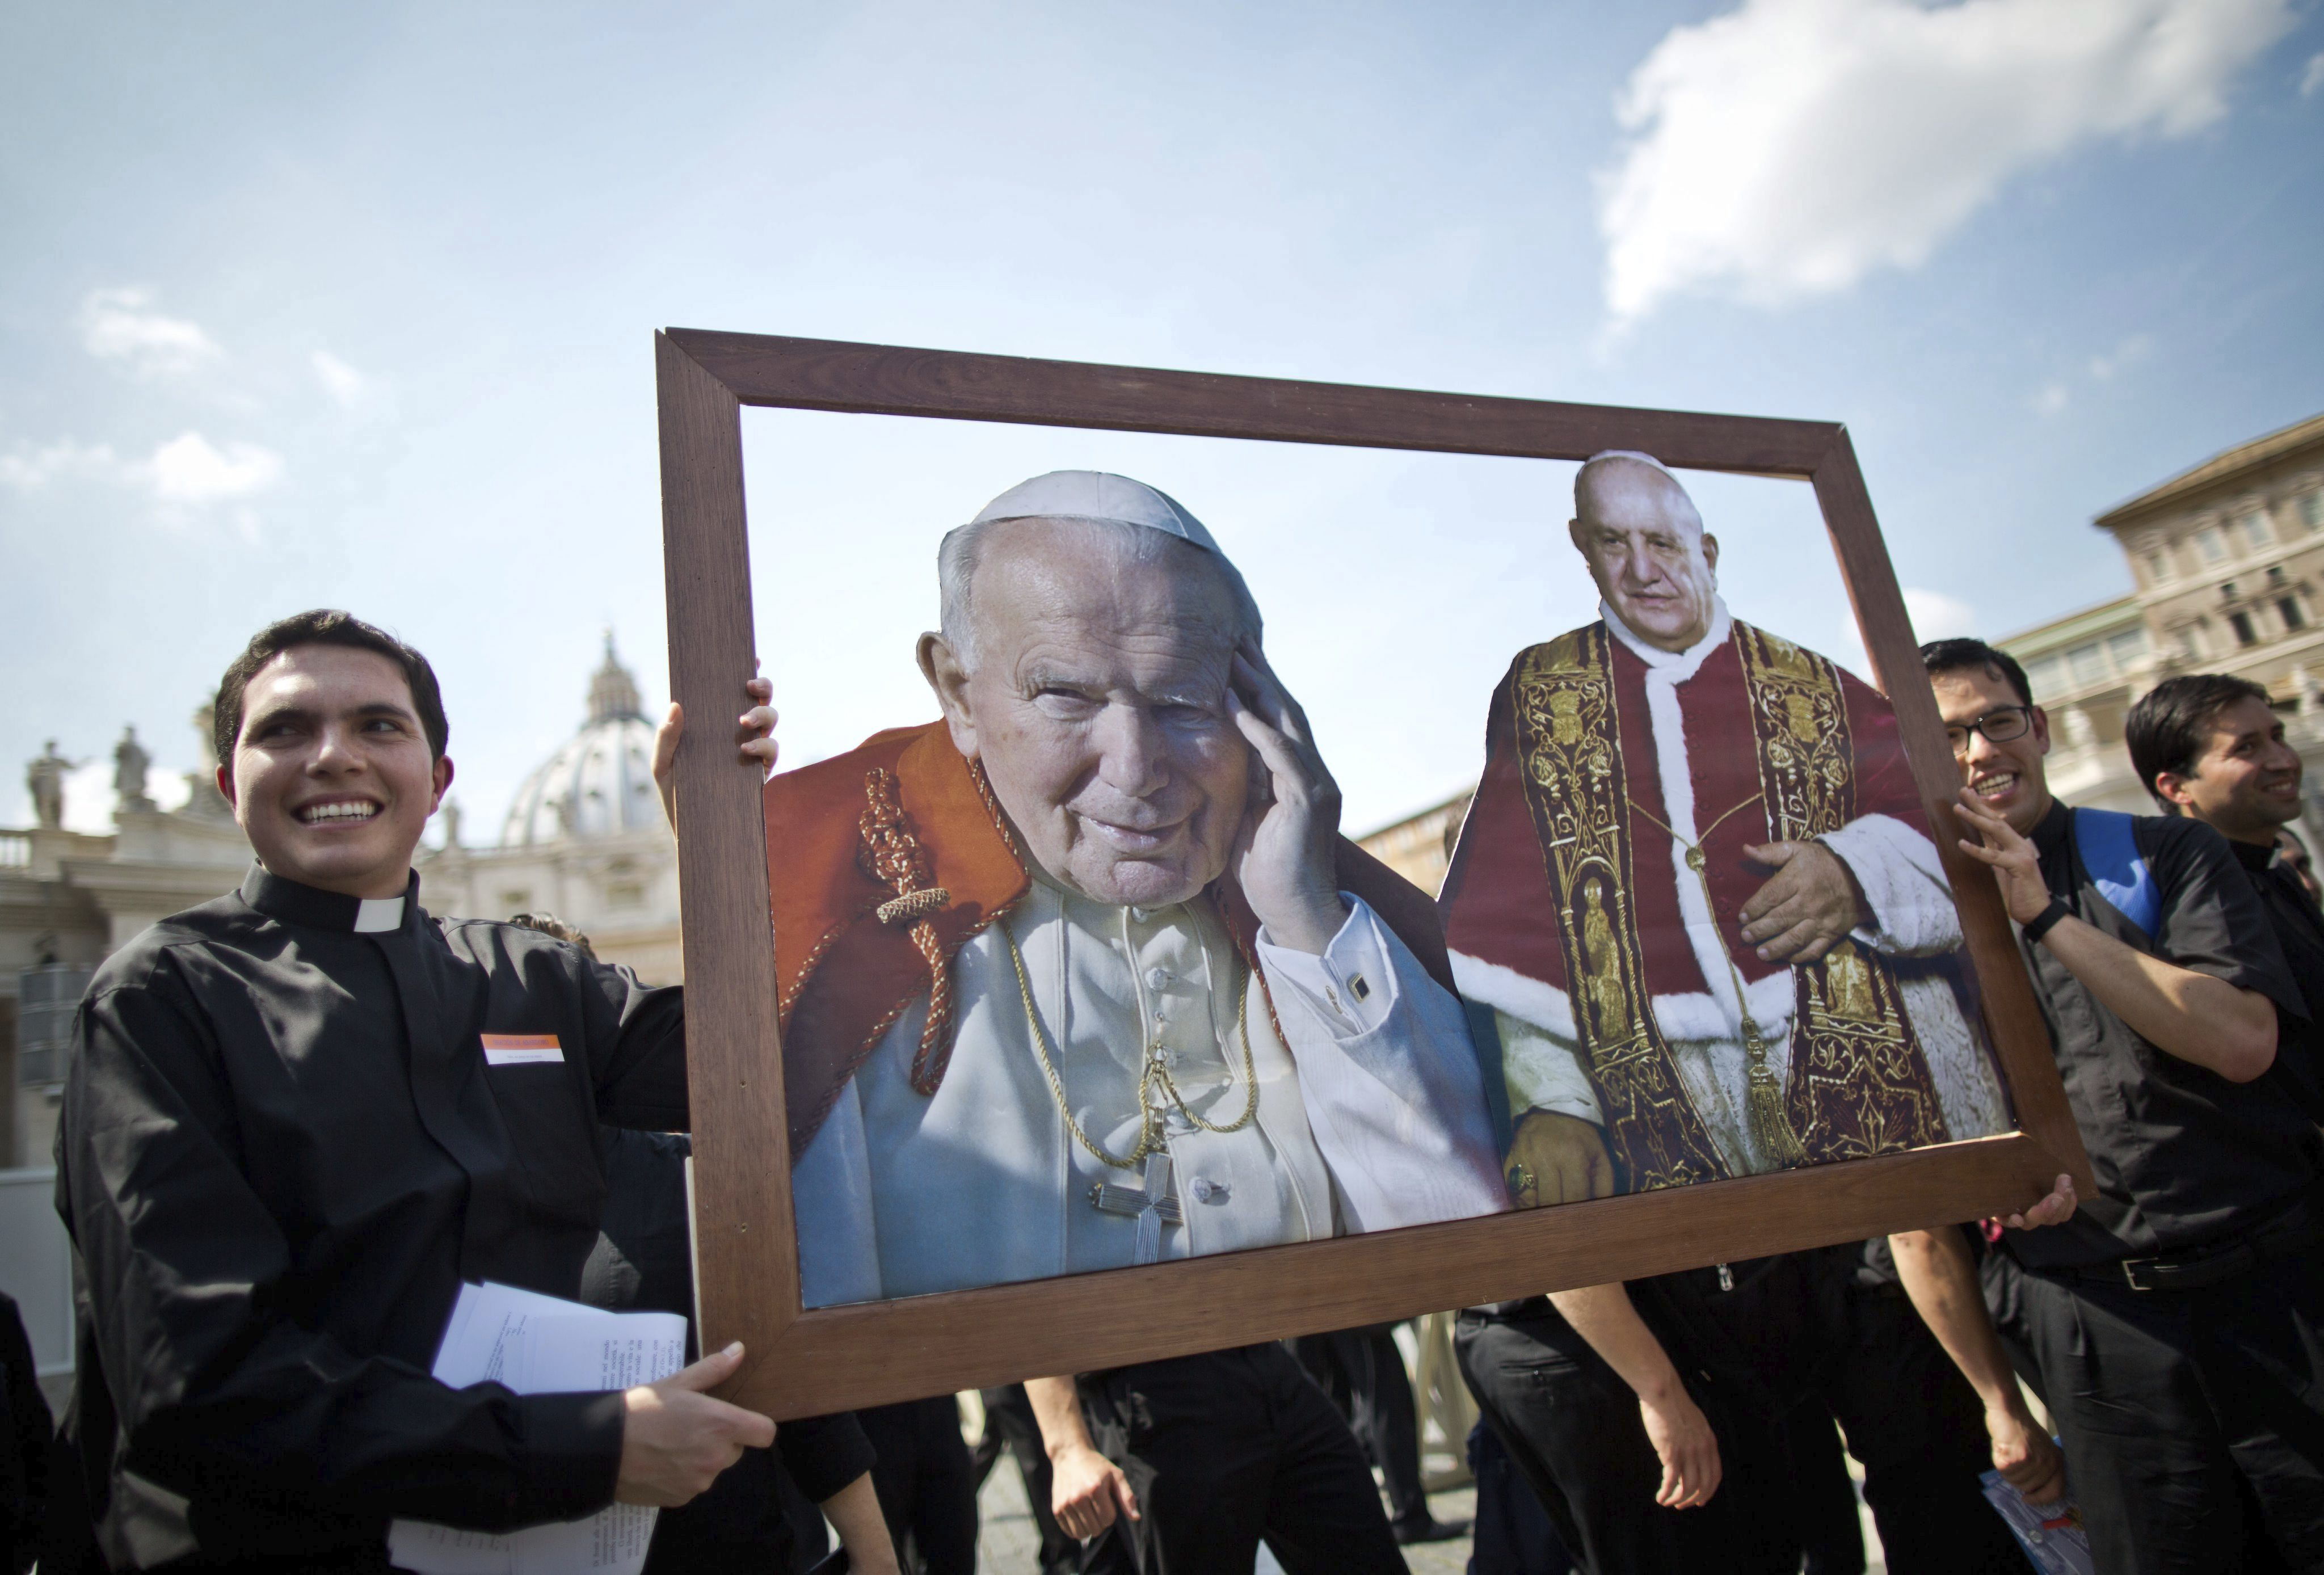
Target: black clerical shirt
2299	931
293	1125
2183	1157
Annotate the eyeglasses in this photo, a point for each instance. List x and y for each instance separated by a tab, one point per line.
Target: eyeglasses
2001	724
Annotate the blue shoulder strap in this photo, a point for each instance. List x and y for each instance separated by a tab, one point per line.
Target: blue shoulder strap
2108	844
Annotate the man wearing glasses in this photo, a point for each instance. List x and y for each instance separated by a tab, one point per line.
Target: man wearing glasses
2175	1319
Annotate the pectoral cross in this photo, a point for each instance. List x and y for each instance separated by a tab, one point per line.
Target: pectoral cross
1151	1206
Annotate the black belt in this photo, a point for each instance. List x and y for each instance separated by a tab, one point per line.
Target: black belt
2289	1234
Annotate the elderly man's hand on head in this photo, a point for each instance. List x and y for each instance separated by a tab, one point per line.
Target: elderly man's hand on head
1285	856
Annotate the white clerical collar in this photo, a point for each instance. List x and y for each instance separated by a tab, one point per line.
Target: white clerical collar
375	914
1674	667
280	898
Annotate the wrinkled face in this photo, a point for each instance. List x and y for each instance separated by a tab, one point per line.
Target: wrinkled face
331	778
1098	709
2247	781
1648	552
2007	777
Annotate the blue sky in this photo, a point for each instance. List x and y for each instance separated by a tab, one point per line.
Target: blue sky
353	305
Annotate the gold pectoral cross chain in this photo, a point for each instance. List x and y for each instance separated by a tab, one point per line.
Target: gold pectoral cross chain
1770	1125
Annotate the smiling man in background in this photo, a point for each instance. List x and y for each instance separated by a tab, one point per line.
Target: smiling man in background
299	1117
2177	1319
2211	748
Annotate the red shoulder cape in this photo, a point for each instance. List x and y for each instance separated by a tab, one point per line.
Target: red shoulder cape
843	977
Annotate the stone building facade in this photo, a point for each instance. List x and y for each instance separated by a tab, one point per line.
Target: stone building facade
2228	563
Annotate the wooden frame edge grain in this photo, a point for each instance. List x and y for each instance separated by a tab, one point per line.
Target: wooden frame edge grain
2013	1018
746	1272
807	1362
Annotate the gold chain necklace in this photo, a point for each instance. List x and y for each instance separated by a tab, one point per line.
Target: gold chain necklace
1150	1126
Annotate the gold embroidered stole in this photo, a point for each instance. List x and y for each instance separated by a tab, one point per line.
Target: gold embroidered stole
1858	1083
1570	755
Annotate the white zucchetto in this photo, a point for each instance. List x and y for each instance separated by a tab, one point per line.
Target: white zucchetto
1100	495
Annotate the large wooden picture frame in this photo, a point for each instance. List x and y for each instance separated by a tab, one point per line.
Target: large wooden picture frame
807	1362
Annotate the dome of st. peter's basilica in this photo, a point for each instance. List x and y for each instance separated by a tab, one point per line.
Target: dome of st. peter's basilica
600	784
583	840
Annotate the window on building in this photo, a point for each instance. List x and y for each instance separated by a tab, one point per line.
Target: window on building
2256	534
516	900
2126	648
2158	566
2087	663
2211	545
2288	609
2241	623
625	894
2046	675
2311	510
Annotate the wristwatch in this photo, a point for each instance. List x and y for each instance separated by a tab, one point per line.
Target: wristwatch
2045	921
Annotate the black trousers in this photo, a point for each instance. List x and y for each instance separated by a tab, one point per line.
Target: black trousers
1226	1451
2192	1420
1363	1372
1572	1428
1513	1535
1817	1347
1919	1431
926	1483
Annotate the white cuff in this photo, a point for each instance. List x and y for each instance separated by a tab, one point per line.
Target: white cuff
1904	885
1543	1073
1352	985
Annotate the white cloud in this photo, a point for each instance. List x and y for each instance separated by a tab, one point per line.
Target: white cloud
187	473
341	382
2052	399
190	469
2129	353
2312	77
1937	616
115	326
1790	147
29	469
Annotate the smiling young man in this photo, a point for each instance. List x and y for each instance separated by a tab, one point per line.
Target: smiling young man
299	1117
2210	747
2177	1319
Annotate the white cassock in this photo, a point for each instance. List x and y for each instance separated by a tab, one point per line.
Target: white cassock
1372	1116
1914	920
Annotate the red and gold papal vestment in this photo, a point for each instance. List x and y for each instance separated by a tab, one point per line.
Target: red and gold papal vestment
1594	902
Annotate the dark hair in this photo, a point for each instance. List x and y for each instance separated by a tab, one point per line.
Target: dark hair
2169	727
556	928
1954	656
325	626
